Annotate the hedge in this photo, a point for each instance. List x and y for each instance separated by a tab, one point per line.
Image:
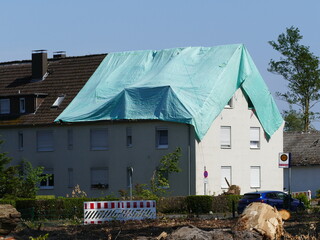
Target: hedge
61	208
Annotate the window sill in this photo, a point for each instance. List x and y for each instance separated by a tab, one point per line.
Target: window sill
225	147
46	188
255	148
99	149
162	147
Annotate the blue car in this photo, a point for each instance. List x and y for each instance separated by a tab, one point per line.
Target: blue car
273	198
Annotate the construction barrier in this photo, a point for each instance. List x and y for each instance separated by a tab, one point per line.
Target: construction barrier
307	193
103	211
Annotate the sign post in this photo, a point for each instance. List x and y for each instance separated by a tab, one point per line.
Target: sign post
205	180
284	162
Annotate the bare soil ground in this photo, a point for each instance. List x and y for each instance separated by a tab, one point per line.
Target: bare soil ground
303	226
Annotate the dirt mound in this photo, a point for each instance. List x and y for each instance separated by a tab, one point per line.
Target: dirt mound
9	218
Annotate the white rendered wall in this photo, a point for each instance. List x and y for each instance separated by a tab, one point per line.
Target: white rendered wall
240	157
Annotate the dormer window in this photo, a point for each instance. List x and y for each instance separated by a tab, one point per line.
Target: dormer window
58	101
22	103
5	106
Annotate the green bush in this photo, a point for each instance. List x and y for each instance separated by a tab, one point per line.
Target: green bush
318	193
224	203
199	204
303	198
8	201
172	205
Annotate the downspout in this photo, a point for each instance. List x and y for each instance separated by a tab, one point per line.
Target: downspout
189	160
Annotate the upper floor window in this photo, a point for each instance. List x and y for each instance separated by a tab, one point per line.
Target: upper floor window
20	141
45	141
99	139
254	137
22	104
4	106
129	137
162	138
225	137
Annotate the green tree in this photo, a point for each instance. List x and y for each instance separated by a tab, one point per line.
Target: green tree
293	121
168	164
19	180
300	68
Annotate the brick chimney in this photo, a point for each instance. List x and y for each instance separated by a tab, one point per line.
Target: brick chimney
39	65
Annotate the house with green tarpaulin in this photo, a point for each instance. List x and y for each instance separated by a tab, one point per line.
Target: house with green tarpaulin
138	106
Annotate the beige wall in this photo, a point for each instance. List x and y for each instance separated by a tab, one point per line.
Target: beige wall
143	156
240	157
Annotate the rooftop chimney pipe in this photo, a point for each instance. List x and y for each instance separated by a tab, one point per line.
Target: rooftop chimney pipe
39	64
59	54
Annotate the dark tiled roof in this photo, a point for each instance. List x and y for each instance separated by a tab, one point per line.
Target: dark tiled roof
304	148
66	76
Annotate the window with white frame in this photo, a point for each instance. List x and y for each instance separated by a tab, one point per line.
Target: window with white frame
255	177
45	141
129	137
225	137
22	104
99	178
226	177
70	139
4	106
99	139
162	138
70	178
254	137
58	101
47	183
20	141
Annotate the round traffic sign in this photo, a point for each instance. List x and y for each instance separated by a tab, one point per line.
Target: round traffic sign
205	174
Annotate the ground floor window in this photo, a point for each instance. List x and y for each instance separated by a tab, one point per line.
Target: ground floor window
255	177
225	177
99	178
47	183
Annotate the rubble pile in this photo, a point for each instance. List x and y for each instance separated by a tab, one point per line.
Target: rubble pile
9	218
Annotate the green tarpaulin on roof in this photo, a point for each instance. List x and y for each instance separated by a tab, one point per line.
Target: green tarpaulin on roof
189	85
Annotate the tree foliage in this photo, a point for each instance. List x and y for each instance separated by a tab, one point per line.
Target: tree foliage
293	121
168	164
300	68
19	180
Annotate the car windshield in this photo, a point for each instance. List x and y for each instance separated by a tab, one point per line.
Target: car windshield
251	196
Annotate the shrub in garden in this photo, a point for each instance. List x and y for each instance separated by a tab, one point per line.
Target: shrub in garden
199	204
303	198
172	205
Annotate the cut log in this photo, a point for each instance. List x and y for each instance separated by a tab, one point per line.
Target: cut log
262	218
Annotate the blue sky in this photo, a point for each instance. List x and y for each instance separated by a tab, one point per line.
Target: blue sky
89	27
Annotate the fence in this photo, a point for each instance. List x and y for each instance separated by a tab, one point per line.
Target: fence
307	193
99	212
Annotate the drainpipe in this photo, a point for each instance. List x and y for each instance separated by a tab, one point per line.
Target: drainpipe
189	159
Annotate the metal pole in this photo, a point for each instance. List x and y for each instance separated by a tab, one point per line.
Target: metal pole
289	183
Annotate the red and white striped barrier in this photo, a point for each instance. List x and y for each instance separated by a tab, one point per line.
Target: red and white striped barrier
101	212
307	193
